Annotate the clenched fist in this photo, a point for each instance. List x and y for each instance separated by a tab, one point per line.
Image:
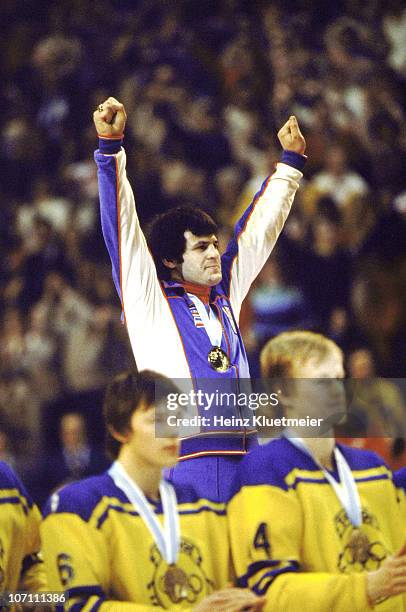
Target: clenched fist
110	118
291	138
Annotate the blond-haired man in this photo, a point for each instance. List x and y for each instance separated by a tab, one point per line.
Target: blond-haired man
316	526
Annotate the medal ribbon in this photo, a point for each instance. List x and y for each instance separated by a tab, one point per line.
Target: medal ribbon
167	538
211	323
346	490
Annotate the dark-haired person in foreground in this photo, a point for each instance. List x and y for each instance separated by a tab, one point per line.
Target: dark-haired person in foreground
127	540
181	301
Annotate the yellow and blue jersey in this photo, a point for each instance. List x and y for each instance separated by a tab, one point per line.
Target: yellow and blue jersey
399	478
291	537
100	552
21	566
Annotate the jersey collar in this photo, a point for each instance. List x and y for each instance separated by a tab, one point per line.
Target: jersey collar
202	292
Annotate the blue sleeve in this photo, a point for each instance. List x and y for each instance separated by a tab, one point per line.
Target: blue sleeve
108	195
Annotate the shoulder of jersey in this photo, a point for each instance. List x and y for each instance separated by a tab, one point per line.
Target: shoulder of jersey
360	458
271	463
399	478
81	497
187	495
10	480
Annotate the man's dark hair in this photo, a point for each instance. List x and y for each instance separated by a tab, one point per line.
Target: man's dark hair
166	234
124	396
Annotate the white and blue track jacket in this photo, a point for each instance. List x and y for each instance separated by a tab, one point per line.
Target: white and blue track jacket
164	331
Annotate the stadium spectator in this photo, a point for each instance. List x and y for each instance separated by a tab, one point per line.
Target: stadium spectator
274	305
336	180
74	459
376	409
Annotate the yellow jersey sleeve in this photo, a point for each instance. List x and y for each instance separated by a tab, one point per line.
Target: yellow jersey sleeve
21	564
399	481
33	575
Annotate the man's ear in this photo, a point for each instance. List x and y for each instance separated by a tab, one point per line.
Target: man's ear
169	263
119	436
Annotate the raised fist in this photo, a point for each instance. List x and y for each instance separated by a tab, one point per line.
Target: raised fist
109	118
290	136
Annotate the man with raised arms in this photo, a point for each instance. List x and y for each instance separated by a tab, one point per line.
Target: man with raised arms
181	300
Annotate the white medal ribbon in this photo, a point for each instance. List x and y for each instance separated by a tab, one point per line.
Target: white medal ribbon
211	323
346	490
167	538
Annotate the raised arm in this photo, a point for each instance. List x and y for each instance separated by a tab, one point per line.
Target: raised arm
258	229
146	310
134	270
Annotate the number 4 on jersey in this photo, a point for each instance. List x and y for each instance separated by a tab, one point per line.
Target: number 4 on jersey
261	539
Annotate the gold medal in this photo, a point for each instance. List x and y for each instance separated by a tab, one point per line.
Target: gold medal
359	546
218	359
175	584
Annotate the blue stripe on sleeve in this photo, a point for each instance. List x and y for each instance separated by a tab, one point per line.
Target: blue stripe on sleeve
291	158
10	480
399	478
253	568
232	248
258	587
110	146
108	180
10	500
84	592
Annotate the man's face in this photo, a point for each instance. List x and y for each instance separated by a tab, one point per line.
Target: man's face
318	390
145	447
73	431
201	261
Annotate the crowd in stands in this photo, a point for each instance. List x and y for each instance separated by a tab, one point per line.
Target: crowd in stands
206	86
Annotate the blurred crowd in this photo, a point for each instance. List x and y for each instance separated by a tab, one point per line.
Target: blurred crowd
206	86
